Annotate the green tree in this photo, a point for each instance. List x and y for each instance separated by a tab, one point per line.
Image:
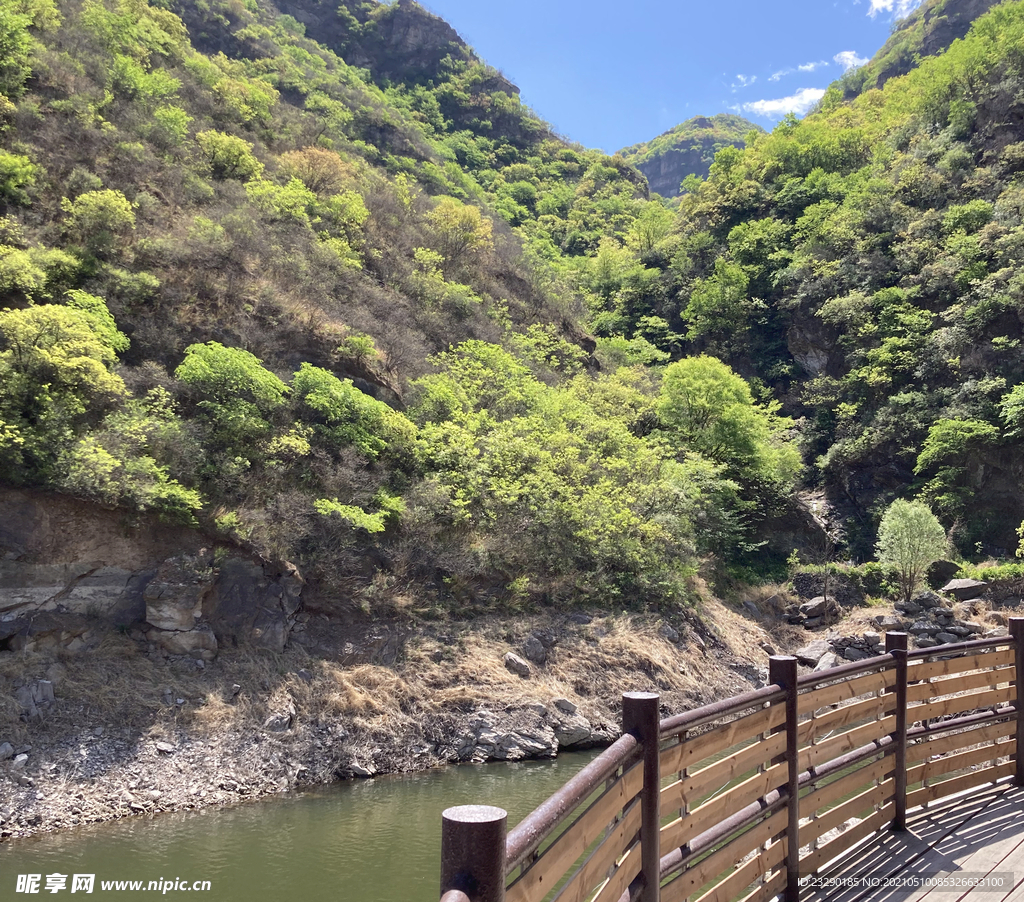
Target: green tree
99	220
710	409
910	538
229	157
461	233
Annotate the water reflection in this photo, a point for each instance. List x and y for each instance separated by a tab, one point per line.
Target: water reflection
368	841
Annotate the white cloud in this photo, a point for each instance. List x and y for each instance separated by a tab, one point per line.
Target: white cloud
803	67
898	7
799	103
743	81
848	59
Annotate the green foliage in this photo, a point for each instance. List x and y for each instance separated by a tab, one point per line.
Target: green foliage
345	416
223	375
55	370
391	510
118	463
911	539
17	172
228	156
99	220
705	406
461	233
95	309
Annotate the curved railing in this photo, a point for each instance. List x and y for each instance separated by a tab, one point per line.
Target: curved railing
741	799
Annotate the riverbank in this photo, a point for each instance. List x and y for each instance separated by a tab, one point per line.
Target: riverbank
132	731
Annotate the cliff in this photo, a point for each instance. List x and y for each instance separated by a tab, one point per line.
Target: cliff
688	149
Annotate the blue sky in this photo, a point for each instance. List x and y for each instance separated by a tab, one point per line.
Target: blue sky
610	74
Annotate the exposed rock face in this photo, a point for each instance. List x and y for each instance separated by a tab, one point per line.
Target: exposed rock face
254	603
926	32
687	149
69	570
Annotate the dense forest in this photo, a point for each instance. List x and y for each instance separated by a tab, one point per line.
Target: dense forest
314	280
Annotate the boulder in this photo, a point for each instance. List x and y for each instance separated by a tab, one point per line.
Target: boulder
941	572
965	589
6	751
573	731
669	632
565	706
816	607
947	638
811	653
534	650
928	600
852	653
828	660
515	664
888	622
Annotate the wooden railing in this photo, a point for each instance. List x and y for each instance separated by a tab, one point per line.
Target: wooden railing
741	799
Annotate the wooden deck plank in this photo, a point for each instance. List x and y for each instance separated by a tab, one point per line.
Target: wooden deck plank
982	832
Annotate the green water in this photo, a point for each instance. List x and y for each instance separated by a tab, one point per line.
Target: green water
368	841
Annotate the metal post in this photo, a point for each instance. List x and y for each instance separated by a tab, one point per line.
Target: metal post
473	852
782	672
896	645
1017	631
641	717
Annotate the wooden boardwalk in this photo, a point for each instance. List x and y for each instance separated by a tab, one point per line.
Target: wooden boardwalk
977	834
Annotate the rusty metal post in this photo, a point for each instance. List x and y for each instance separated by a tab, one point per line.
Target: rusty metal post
896	645
641	717
473	852
1017	631
782	671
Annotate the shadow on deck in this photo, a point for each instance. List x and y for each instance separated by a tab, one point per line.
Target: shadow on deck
972	837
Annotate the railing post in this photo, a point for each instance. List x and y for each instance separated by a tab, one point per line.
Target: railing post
641	717
1017	631
782	672
896	645
473	852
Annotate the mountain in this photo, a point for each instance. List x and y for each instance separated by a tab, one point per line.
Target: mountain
927	31
863	265
688	149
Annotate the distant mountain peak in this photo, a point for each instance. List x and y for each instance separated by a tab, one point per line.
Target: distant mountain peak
687	149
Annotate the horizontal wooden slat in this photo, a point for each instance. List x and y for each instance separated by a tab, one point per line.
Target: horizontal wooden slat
939	746
949	666
538	880
619	882
772	888
851	782
717	863
696	787
856	807
841	692
980	679
812	862
582	884
949	763
680	831
694	750
845	742
961	703
746	874
840	717
958	784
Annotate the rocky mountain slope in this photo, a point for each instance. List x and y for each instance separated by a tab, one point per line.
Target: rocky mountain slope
927	31
687	150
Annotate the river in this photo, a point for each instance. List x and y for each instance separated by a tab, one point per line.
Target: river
367	841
